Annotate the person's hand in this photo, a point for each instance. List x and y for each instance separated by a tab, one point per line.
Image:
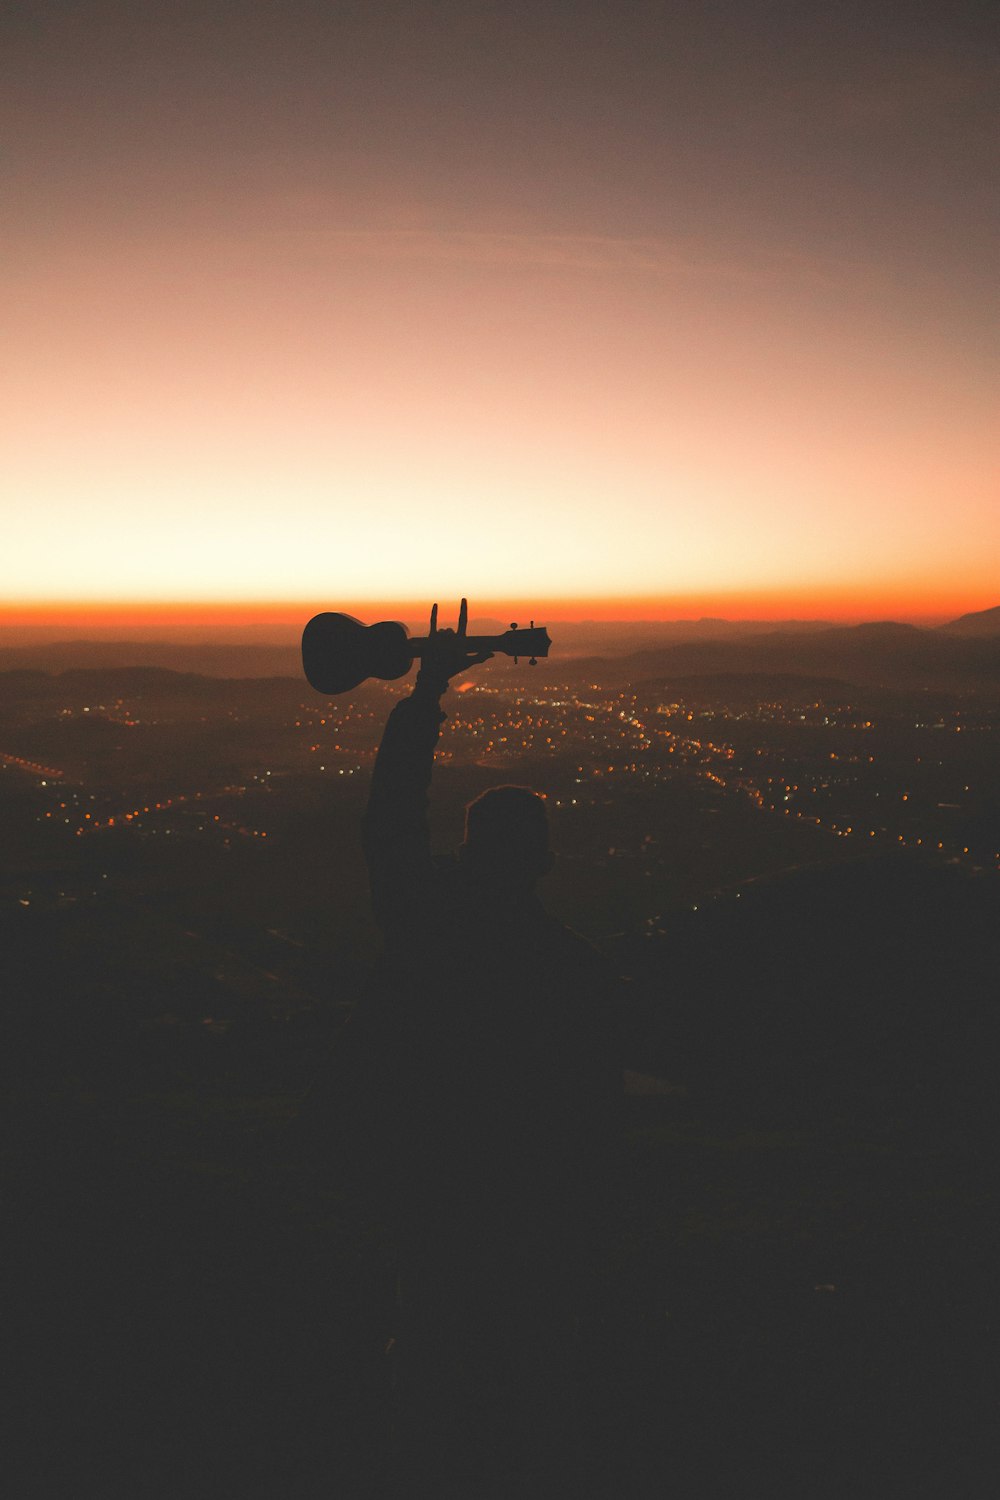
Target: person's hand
446	652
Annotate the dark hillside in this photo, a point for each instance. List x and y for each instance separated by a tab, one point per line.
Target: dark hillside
984	622
806	1251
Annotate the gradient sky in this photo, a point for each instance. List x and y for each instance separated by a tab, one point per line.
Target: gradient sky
682	308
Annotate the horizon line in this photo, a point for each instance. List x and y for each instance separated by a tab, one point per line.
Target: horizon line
780	607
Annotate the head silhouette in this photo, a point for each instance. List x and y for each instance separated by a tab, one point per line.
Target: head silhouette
507	835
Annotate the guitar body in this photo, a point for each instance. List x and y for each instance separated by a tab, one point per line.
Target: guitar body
339	652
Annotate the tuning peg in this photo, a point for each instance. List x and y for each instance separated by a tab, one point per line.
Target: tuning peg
532	661
513	624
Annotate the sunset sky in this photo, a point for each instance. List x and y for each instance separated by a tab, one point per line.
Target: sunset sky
650	309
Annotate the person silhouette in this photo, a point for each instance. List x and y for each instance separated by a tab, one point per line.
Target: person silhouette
505	1082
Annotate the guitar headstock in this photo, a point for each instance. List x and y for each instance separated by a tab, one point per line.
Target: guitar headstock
532	643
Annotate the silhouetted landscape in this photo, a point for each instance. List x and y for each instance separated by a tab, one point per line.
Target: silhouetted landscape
624	1128
788	841
962	654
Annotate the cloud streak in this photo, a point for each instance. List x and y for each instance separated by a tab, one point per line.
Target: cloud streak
585	253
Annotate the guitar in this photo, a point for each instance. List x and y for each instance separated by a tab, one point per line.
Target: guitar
339	652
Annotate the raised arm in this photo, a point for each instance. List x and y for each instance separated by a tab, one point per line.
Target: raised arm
396	831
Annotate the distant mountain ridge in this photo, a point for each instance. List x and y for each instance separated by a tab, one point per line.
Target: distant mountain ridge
203	660
963	655
277	659
255	658
980	622
877	654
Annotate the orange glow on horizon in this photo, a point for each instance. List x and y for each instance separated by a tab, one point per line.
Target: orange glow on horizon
838	606
578	319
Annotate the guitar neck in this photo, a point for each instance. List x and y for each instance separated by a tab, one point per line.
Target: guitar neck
531	642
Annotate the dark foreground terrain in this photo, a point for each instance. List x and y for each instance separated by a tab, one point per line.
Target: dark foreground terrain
802	880
801	1297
